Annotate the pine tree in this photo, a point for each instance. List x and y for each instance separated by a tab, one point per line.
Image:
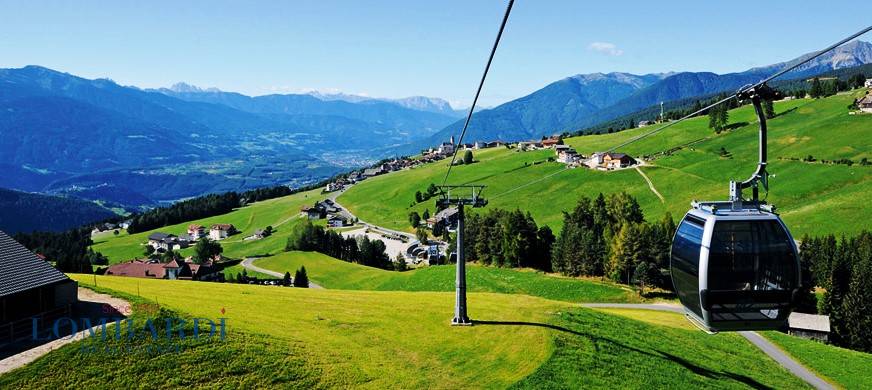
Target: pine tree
839	285
300	278
414	219
287	279
421	235
768	109
817	90
856	328
400	262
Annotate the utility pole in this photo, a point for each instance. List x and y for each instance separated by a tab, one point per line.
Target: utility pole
464	195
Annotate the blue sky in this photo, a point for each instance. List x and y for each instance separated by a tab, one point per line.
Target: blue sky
404	48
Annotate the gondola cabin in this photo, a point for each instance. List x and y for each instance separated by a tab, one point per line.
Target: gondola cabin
734	269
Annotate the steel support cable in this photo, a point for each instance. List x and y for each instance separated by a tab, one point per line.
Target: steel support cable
480	86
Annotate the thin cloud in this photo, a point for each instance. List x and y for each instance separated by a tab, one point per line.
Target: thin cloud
605	48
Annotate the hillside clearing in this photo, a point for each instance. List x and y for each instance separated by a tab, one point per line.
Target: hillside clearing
280	213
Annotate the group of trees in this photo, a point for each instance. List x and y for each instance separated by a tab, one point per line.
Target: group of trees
308	237
507	239
719	117
608	236
70	250
823	88
843	268
301	279
425	196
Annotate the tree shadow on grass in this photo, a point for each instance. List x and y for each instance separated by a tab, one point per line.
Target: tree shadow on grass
698	370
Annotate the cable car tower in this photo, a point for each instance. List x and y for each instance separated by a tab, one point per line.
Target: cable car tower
460	196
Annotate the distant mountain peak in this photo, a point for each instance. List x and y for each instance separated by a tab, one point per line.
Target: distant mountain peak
419	103
635	80
182	87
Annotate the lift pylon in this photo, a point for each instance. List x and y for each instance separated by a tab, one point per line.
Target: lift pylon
460	196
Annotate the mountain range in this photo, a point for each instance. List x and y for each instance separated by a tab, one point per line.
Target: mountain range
132	147
96	139
581	101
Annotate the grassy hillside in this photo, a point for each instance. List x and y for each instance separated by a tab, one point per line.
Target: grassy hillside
813	198
280	213
333	273
851	369
400	339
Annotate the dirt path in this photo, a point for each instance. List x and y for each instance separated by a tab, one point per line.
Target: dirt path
87	298
650	185
784	360
248	263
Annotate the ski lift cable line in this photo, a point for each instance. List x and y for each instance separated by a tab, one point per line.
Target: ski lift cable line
758	84
480	86
530	183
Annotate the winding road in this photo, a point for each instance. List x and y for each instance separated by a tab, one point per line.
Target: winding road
755	338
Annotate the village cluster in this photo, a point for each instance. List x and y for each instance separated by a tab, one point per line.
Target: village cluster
161	242
567	155
564	154
326	209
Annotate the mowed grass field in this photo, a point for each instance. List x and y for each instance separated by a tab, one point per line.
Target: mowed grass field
287	337
337	274
850	369
812	198
280	213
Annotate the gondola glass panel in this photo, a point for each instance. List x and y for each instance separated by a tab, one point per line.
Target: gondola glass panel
752	273
685	262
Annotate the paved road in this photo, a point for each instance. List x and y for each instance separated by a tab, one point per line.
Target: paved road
767	347
248	264
347	214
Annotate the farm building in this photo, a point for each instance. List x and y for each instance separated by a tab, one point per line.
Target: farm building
196	231
336	222
312	212
869	83
617	160
220	231
449	216
865	103
185	270
166	242
550	142
29	287
809	326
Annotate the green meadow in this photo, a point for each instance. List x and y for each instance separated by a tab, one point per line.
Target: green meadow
289	337
813	198
337	274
